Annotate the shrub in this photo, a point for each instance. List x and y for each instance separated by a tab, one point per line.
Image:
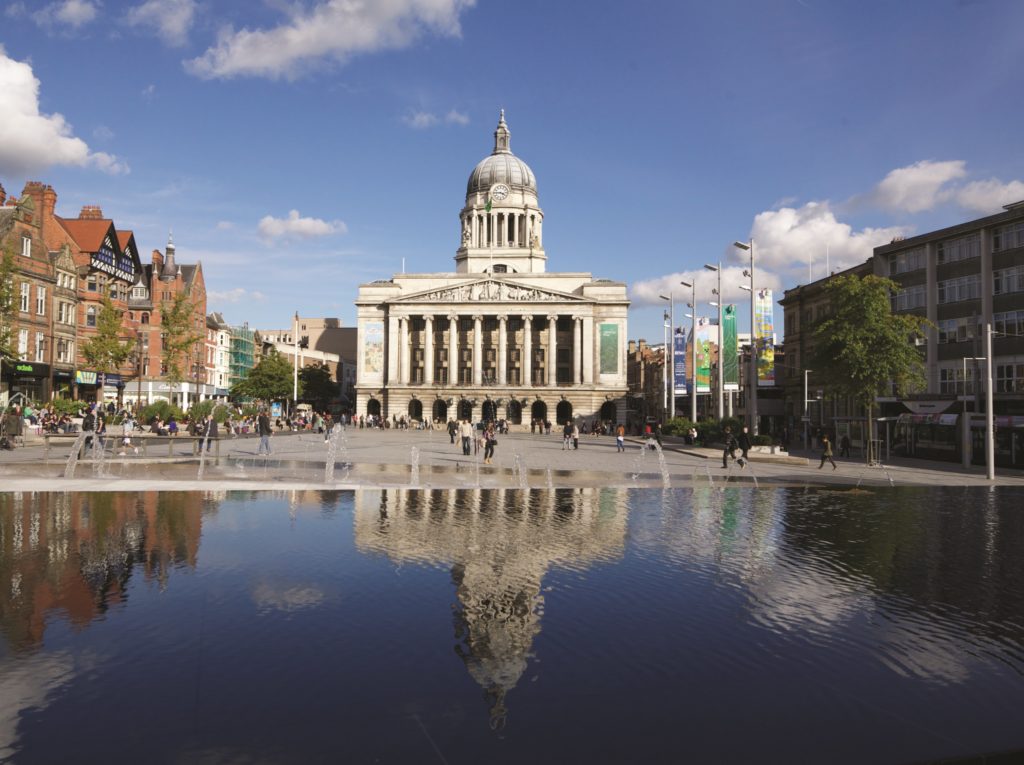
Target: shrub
163	410
762	440
62	406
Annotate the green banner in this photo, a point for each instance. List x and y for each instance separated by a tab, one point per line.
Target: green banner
730	357
704	346
609	349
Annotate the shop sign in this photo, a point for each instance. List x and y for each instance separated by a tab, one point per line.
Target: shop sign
28	369
85	378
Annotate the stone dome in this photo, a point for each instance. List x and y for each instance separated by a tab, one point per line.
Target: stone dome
502	166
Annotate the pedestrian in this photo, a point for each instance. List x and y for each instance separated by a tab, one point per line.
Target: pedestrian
466	434
693	436
211	430
744	444
566	435
826	452
729	452
490	441
452	430
265	432
620	438
844	446
575	436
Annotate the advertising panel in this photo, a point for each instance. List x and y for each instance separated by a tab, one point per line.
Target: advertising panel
373	347
730	357
679	358
704	346
765	332
609	349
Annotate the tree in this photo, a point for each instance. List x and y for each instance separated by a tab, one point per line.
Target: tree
7	312
106	351
179	337
863	347
269	380
317	384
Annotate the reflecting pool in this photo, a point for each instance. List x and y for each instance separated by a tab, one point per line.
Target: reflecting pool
508	625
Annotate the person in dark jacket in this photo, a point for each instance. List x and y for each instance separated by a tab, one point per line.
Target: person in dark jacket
729	452
265	431
744	443
210	430
826	452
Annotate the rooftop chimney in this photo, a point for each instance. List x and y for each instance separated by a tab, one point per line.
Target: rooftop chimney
91	212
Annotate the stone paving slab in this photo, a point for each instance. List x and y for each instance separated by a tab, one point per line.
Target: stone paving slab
428	459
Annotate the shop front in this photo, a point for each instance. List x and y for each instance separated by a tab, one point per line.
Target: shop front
90	382
31	379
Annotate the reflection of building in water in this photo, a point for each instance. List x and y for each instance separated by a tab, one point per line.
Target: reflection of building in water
75	553
499	544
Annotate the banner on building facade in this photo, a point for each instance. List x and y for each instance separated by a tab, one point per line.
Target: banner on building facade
609	349
679	357
704	346
373	347
730	357
765	334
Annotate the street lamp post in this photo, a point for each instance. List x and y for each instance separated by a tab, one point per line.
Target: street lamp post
965	436
752	397
693	340
719	383
671	355
666	328
807	419
295	360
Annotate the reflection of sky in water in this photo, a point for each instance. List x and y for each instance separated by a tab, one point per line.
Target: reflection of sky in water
454	617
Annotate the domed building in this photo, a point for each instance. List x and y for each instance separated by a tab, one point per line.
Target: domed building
500	337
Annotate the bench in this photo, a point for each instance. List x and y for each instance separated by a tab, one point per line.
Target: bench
145	440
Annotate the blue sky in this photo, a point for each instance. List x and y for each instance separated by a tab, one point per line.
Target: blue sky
299	148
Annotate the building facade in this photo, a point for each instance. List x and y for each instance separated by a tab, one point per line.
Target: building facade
499	337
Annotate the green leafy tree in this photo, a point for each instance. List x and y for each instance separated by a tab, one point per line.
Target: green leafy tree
269	380
7	313
863	347
106	351
317	384
180	337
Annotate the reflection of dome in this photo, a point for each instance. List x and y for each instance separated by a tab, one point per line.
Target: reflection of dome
502	166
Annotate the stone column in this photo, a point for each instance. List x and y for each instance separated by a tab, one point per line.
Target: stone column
478	358
393	348
493	242
515	229
577	348
428	351
502	350
527	365
406	352
552	349
588	350
453	349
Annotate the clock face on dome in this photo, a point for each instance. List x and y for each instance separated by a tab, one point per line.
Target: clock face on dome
499	191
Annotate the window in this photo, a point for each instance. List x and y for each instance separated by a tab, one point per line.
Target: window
40	301
65	351
91	283
964	288
1007	237
139	292
911	297
911	260
1008	323
26	247
40	347
1010	377
22	343
961	248
959	330
90	316
23	305
500	268
145	318
1007	280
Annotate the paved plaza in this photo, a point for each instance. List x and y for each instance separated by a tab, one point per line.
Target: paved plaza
427	459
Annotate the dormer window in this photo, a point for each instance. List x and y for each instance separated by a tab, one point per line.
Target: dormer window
500	268
26	247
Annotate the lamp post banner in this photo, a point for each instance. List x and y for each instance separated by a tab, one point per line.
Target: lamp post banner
703	355
730	361
765	332
679	356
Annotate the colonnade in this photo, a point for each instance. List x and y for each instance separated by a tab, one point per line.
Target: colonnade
413	354
502	229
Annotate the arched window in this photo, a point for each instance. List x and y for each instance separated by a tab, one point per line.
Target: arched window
564	412
500	268
489	411
539	411
515	412
90	316
415	409
465	410
440	410
145	318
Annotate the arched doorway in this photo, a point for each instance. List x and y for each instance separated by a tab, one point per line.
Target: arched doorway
489	411
373	408
440	410
609	412
465	409
539	411
415	409
563	412
515	412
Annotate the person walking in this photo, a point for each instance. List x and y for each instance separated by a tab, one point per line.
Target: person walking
744	443
844	446
566	435
452	430
466	433
575	436
211	431
490	441
265	432
826	452
729	452
620	438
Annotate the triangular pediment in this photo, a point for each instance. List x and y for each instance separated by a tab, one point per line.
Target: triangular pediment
491	291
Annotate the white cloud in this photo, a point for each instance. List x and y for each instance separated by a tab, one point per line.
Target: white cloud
788	239
295	226
989	196
73	13
30	141
456	118
647	292
15	10
102	133
225	225
170	19
148	92
236	295
332	30
919	187
420	120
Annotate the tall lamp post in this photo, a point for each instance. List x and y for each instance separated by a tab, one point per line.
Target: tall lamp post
666	328
671	355
807	419
295	359
719	384
693	340
752	397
